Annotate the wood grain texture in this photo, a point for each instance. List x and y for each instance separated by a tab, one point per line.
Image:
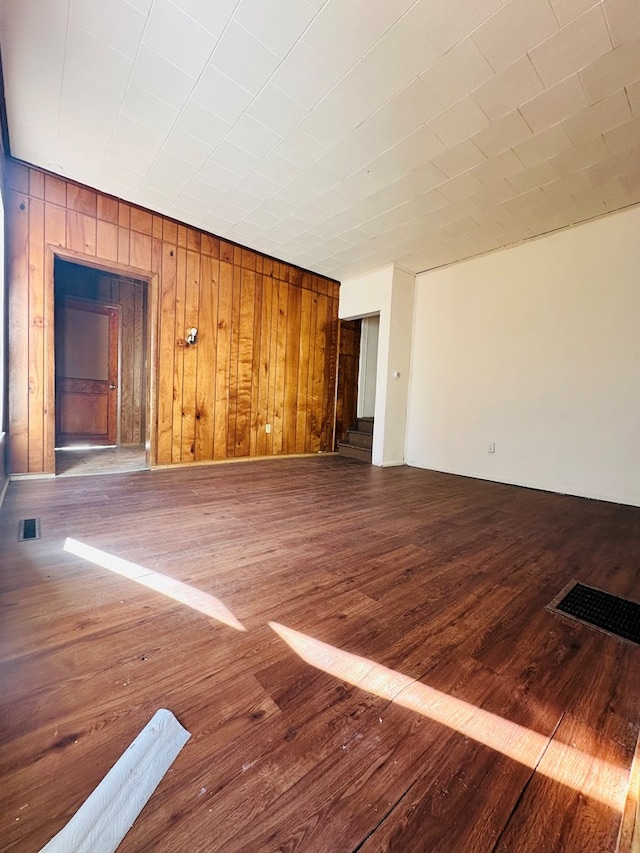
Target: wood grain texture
427	580
261	365
74	280
348	369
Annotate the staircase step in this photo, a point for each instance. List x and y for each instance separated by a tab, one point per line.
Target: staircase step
354	452
365	425
359	439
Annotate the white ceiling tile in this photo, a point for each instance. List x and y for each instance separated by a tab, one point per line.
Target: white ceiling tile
458	122
340	161
258	186
501	166
188	208
317	178
397	119
296	194
448	21
460	158
327	123
573	48
279	30
502	134
138	159
275	110
169	29
580	156
262	219
461	187
164	182
305	77
633	93
250	135
244	59
214	17
516	85
459	71
276	168
130	131
159	77
399	56
228	212
534	176
220	95
519	26
543	146
95	60
169	164
121	29
600	117
220	179
202	191
414	150
188	148
234	159
555	104
242	199
142	6
344	31
493	195
612	71
622	161
147	109
623	17
625	137
201	123
300	149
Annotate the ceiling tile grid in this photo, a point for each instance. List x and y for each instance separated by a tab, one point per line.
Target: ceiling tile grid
339	135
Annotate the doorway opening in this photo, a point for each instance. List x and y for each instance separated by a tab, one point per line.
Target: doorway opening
356	394
100	370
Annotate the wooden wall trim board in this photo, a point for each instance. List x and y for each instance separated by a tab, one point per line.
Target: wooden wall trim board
267	342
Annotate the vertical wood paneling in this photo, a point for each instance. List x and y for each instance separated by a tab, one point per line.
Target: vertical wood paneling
167	348
206	357
256	425
223	352
18	296
292	355
37	379
245	363
233	359
190	372
267	331
178	360
264	408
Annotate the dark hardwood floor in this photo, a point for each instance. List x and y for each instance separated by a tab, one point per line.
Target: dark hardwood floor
399	684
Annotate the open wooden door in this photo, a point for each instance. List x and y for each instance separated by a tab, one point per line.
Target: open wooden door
86	373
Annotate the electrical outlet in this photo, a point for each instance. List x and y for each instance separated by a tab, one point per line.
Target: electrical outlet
267	428
492	447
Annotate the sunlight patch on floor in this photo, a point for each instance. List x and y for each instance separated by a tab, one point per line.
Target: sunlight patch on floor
561	762
181	592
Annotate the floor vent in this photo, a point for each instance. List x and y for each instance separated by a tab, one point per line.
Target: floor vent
29	529
616	616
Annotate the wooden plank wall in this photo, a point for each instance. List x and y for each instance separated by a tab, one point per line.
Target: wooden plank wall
76	281
266	352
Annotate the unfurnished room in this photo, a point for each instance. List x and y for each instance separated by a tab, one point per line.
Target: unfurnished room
320	426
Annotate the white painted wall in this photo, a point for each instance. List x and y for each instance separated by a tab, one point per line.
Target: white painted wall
389	293
538	349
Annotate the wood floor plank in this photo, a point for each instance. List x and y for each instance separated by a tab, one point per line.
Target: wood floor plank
433	583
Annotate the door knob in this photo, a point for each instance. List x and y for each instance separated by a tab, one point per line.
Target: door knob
112	387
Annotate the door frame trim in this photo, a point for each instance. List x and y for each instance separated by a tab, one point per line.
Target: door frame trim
147	277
